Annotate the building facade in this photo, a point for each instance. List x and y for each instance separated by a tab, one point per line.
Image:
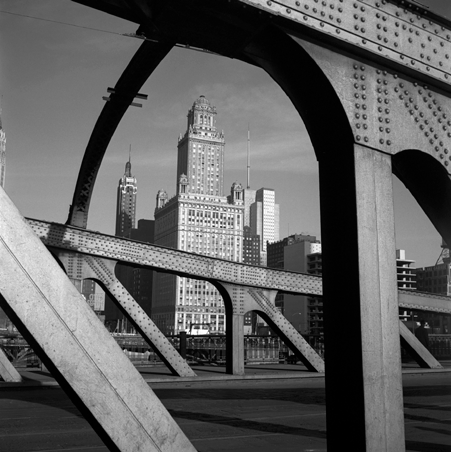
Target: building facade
405	274
291	254
198	219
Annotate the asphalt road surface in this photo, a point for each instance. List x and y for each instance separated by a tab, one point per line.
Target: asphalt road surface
238	416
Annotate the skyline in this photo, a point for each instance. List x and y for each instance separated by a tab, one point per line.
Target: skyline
53	77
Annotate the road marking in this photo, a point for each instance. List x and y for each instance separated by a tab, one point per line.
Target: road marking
45	433
235	420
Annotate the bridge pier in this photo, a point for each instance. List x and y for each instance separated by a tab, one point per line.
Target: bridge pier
361	324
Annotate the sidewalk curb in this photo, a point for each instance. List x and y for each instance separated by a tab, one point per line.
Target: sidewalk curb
201	379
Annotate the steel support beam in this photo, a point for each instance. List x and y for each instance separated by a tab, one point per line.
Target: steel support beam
102	270
357	206
173	261
235	344
411	299
417	350
7	371
182	263
83	357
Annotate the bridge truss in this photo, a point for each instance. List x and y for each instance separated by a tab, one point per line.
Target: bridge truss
371	80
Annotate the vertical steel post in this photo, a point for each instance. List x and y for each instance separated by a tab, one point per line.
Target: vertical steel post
182	351
361	325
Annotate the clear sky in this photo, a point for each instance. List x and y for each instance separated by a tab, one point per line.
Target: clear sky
53	77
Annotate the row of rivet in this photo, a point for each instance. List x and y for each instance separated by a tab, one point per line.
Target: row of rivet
383	109
410	40
360	101
384	39
421	118
384	100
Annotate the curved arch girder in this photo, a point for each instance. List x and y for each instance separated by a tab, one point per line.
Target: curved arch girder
306	85
428	181
143	63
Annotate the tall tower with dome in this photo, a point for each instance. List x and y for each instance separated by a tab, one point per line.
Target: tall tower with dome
198	219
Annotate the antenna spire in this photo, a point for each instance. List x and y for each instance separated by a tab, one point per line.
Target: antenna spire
128	165
248	157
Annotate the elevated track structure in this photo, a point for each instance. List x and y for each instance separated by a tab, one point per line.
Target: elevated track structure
371	81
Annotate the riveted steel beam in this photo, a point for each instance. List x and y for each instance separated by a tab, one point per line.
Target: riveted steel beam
166	259
67	335
410	299
7	371
416	349
80	266
204	267
398	34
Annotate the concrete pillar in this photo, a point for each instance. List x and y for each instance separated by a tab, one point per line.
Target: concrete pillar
7	371
363	364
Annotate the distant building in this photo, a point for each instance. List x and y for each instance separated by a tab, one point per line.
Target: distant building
199	219
251	256
125	222
126	202
315	304
264	219
249	199
291	254
435	279
251	247
406	275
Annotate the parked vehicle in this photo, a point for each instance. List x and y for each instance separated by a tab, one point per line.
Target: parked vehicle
196	329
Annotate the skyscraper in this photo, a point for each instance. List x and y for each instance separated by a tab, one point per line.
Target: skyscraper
199	219
126	202
125	221
264	219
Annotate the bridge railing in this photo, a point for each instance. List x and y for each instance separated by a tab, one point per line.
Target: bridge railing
209	348
440	345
